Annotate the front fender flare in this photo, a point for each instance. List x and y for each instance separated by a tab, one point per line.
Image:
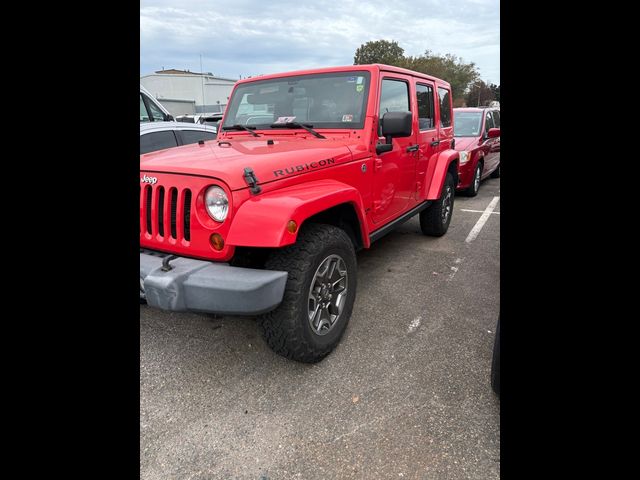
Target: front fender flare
262	220
442	161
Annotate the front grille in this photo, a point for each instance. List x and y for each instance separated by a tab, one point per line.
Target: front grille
187	215
161	211
149	190
166	211
174	208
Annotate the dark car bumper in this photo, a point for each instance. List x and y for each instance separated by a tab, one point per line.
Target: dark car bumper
201	286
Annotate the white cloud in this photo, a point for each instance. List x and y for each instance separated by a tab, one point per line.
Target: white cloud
248	37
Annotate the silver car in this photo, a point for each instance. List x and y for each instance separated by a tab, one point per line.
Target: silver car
160	135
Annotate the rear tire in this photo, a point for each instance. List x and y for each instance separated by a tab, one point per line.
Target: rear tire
435	220
289	330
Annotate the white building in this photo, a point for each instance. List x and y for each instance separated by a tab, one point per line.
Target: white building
184	92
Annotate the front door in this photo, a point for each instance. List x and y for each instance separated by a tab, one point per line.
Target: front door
394	171
491	153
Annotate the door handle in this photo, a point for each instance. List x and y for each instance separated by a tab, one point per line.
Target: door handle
436	143
413	148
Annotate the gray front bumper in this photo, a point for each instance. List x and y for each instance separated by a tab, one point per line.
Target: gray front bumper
209	287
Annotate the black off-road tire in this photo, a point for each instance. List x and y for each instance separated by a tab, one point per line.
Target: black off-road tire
473	189
496	172
286	329
495	364
431	219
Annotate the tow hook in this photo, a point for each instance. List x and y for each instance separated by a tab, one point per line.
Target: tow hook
252	180
165	263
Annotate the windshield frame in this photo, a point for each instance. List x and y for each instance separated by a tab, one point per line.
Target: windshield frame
316	125
480	131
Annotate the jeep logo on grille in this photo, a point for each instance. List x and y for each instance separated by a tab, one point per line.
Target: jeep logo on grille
151	180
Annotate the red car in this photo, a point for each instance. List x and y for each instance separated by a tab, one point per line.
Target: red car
477	134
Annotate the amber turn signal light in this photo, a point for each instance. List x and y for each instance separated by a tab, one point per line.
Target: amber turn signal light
217	241
292	227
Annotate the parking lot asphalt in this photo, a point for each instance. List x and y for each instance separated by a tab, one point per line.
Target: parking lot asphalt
406	394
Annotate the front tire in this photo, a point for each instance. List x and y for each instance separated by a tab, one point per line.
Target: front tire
472	191
318	297
435	220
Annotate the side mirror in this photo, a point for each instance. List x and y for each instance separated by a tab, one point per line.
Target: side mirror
493	133
169	118
394	124
397	124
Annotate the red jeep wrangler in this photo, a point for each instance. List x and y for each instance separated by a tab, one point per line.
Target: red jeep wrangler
308	168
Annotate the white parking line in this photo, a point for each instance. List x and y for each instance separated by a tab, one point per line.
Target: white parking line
482	220
478	211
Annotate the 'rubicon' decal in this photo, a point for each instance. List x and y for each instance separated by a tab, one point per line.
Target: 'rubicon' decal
151	180
304	167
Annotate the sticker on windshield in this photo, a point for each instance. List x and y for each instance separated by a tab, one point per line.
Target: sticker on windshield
359	88
285	119
347	118
268	90
360	80
351	79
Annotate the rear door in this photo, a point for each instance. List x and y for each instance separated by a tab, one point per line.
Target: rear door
425	100
445	125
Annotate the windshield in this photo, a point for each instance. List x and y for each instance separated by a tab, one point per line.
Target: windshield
330	100
467	124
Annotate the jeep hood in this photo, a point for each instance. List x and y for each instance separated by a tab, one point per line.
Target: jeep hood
226	160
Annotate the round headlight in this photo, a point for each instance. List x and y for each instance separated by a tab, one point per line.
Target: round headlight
217	203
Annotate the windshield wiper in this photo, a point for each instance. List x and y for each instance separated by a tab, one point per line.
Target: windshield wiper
304	126
237	126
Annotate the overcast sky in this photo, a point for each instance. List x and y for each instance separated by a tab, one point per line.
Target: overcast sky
251	37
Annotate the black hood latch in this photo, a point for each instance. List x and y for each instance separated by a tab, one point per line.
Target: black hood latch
252	180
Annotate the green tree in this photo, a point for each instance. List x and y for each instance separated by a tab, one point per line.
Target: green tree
479	94
379	51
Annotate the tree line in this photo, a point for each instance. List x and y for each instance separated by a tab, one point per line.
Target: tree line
466	86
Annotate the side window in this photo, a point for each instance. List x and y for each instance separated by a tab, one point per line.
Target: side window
144	115
156	113
157	141
445	107
426	115
394	97
488	123
194	136
496	118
